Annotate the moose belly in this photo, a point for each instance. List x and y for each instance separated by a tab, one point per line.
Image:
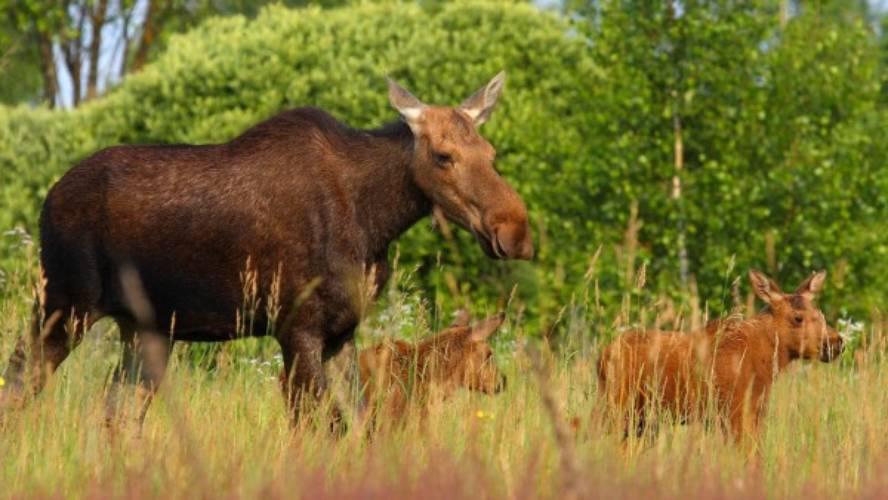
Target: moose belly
216	283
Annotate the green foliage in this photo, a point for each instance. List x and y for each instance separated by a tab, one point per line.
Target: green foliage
782	169
781	133
19	66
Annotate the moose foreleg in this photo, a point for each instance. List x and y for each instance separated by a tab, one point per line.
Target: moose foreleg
142	367
303	381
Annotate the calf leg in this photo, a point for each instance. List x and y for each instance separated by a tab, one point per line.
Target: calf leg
635	414
142	367
736	418
640	425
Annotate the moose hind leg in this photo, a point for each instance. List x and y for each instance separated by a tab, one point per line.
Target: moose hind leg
137	376
56	330
64	308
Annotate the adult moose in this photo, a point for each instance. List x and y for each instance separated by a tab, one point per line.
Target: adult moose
158	237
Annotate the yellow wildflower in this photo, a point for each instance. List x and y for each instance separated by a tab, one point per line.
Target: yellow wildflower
2	382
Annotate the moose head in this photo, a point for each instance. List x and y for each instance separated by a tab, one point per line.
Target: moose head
454	167
798	322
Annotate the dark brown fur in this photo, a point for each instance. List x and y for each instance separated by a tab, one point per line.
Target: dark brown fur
300	207
394	373
731	359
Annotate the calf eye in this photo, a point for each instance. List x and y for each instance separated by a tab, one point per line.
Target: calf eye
443	159
798	320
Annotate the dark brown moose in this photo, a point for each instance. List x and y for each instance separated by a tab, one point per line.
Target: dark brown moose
396	373
730	364
166	240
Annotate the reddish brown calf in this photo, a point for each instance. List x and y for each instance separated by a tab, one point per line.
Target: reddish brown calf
395	373
732	360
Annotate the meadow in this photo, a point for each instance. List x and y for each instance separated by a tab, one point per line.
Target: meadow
218	426
661	152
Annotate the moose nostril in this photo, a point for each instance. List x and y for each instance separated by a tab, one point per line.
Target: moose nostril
514	240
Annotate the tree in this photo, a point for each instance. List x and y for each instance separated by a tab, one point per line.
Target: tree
19	62
747	107
92	43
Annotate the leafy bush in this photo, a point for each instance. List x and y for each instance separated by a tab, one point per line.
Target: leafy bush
781	140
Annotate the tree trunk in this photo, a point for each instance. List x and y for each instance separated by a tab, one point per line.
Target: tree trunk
676	195
677	97
97	19
126	40
147	38
73	64
784	13
72	50
48	68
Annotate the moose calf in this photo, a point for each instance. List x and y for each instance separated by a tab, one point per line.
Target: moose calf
395	373
730	364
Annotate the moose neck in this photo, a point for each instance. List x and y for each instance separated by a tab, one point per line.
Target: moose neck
388	201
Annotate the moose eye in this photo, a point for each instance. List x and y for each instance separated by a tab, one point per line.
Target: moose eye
798	320
443	159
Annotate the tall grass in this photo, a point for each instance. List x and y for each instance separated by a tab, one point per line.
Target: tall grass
218	428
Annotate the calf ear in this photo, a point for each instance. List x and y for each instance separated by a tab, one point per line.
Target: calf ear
462	318
812	286
484	329
765	287
481	103
410	107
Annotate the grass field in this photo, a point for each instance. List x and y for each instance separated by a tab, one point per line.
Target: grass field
218	428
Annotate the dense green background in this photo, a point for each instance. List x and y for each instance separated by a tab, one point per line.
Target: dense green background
783	126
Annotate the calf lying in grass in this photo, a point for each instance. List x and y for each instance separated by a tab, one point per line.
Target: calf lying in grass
395	373
728	366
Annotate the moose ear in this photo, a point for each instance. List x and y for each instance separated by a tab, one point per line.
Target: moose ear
481	104
484	329
765	287
461	319
813	285
409	106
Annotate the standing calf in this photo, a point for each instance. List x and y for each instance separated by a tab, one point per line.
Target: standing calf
393	374
732	360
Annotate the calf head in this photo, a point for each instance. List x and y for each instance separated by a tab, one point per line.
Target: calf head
466	359
454	166
799	322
